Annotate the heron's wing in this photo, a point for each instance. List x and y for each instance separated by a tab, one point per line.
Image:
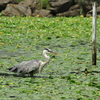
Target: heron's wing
27	66
15	68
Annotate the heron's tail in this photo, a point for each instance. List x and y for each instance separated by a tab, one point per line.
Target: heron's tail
13	69
9	68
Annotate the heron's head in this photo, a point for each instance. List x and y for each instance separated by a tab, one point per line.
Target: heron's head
47	50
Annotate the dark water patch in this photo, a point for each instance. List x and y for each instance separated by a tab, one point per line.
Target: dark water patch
73	45
82	42
79	43
12	96
5	54
59	46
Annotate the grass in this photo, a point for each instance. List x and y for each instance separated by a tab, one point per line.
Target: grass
24	38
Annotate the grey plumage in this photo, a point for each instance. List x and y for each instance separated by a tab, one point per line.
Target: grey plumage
26	66
33	66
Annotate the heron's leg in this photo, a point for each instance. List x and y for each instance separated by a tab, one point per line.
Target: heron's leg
31	74
40	69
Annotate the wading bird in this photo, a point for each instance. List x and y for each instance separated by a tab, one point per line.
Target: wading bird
33	66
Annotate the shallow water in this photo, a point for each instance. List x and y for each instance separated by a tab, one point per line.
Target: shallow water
5	53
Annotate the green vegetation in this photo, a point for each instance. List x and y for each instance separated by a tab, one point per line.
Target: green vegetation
24	38
19	0
44	4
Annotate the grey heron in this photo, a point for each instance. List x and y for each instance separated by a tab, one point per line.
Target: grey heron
33	66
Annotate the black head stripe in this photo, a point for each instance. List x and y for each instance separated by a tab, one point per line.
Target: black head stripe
48	49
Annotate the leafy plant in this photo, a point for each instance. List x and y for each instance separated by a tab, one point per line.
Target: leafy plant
24	38
19	0
44	4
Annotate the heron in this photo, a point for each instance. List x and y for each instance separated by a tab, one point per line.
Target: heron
33	66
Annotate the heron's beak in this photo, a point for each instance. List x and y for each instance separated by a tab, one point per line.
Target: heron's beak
54	53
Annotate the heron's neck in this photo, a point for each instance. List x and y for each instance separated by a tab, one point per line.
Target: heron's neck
46	57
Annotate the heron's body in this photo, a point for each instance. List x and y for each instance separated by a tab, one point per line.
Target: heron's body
33	66
27	67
